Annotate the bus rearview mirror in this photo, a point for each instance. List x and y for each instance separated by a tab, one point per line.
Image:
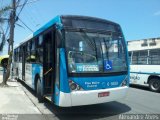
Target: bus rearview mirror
59	38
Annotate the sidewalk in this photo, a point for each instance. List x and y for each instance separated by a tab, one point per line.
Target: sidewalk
13	100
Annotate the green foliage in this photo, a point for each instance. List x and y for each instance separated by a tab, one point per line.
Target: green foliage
5	9
3	13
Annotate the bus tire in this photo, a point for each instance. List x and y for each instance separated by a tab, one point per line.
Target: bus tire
39	92
154	85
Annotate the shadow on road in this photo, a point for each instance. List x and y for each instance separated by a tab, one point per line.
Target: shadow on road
140	87
88	112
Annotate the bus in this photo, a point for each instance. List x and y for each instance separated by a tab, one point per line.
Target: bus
144	58
74	60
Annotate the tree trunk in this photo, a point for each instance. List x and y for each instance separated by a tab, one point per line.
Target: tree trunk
7	74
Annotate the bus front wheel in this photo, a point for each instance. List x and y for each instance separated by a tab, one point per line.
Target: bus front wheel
39	91
154	85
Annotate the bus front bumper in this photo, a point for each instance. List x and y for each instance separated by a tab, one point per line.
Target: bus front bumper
78	98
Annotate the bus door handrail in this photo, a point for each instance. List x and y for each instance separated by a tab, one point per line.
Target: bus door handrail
48	71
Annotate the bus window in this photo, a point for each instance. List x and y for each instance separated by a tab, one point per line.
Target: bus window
28	46
94	50
15	55
142	57
39	49
33	53
135	57
154	57
20	55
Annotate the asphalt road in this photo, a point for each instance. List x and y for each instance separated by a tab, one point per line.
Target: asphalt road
139	100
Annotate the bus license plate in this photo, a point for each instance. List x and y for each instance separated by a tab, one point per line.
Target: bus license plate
103	94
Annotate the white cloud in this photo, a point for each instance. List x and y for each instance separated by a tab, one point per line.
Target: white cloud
157	13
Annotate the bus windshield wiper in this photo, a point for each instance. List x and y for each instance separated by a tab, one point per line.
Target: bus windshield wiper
89	40
107	46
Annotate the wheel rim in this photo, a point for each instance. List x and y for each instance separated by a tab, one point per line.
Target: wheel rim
155	85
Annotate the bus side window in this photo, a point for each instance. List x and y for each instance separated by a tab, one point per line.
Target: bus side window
154	57
15	55
33	52
135	57
142	58
39	49
28	52
20	54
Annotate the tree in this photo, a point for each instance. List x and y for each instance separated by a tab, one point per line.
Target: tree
3	12
2	36
12	20
11	38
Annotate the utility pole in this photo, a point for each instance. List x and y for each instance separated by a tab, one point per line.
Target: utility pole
11	41
12	25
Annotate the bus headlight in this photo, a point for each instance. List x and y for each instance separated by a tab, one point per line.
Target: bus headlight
74	86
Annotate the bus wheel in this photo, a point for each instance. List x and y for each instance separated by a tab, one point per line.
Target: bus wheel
154	85
39	91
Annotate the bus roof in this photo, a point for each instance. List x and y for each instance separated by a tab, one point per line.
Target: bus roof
144	44
65	20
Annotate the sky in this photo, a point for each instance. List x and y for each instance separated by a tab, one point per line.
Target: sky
139	19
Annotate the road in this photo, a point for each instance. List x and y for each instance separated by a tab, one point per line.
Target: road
139	100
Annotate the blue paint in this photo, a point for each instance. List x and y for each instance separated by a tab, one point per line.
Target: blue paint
87	83
56	20
95	83
64	85
107	65
127	58
56	95
149	73
36	69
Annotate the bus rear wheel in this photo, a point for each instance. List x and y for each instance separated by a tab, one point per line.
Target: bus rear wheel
39	91
154	85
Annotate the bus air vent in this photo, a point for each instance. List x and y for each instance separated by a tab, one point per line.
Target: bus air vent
153	42
144	43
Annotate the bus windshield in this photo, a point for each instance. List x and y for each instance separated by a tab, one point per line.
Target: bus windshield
95	52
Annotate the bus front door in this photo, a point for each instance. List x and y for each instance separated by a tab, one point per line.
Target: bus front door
48	63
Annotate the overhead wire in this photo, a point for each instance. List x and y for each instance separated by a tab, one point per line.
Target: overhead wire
17	17
7	29
22	8
25	25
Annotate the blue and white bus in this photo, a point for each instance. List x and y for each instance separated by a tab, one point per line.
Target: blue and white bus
75	60
144	58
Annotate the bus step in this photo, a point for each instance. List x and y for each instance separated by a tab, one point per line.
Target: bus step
48	97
